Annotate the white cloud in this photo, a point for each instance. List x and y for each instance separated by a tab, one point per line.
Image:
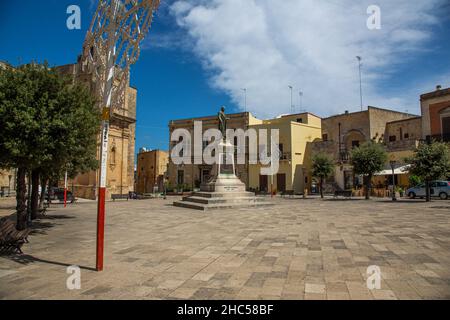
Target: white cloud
266	45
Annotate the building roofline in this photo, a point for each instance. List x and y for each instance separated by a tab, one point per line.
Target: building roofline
300	114
404	120
207	117
6	63
368	109
435	94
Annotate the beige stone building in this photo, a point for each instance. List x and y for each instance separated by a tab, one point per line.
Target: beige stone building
341	133
121	156
7	182
151	170
435	107
190	176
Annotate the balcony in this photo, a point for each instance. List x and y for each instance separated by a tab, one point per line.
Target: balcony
344	155
286	156
402	145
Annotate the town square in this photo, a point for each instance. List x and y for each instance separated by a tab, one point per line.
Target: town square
279	252
224	151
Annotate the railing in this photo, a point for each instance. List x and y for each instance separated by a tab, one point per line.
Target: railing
286	156
400	145
344	155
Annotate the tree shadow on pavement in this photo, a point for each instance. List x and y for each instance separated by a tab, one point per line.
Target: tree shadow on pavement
26	259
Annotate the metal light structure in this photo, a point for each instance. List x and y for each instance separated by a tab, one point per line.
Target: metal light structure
111	47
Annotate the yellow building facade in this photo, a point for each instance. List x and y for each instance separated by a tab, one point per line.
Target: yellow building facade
296	133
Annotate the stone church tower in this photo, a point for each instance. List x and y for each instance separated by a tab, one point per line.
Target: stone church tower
120	174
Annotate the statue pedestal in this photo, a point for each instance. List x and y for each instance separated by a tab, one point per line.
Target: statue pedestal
224	173
224	190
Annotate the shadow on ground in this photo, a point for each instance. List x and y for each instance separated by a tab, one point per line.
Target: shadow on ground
25	259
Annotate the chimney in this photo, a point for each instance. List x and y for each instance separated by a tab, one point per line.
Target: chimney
346	111
438	87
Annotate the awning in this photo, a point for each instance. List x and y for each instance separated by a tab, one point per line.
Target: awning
397	171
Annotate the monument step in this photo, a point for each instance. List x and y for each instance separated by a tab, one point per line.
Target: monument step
205	194
204	200
218	206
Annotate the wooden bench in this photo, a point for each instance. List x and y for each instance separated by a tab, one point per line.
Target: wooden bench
10	237
343	193
115	197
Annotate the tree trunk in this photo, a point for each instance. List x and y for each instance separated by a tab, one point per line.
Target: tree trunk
34	194
43	189
368	183
321	188
427	191
21	197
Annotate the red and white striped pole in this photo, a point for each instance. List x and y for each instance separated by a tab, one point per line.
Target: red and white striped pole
107	94
65	190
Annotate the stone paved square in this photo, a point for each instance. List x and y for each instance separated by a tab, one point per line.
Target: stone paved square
297	249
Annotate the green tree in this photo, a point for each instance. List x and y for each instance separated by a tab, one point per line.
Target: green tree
322	168
430	162
367	160
47	124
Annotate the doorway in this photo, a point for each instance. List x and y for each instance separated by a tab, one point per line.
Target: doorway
281	182
263	183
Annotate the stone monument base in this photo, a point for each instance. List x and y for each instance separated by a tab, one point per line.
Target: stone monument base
205	200
225	190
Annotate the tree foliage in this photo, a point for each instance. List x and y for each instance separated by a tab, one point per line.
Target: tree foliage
322	168
47	124
368	159
430	162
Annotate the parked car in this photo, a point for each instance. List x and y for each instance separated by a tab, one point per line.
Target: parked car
439	189
57	194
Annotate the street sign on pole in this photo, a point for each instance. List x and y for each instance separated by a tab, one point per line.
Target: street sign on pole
110	48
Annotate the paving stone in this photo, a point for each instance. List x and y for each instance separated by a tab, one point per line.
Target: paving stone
297	249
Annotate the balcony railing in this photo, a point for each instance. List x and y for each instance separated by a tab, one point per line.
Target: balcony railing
286	156
344	155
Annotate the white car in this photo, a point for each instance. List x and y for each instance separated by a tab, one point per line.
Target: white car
439	189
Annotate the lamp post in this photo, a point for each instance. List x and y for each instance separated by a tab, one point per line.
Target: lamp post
292	106
245	99
360	81
301	100
393	163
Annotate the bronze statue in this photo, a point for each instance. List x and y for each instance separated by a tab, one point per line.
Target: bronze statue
223	122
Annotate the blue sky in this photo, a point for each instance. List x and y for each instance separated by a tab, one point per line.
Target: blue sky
200	54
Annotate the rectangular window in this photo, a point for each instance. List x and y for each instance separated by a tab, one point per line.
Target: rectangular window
392	138
325	137
300	120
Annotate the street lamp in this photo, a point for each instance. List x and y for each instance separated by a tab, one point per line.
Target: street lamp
301	98
292	106
360	81
393	163
245	98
